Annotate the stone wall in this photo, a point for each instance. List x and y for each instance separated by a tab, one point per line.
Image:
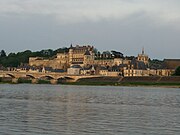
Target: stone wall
54	63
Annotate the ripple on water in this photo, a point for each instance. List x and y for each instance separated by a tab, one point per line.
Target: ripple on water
88	110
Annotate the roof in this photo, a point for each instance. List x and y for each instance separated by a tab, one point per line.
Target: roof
78	47
48	68
123	65
76	66
59	70
114	68
103	68
138	64
88	68
87	53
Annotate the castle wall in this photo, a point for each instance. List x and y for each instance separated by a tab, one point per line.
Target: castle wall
54	63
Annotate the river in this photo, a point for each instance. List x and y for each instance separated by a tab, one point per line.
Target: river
27	109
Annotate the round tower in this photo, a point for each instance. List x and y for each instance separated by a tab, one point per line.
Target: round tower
70	54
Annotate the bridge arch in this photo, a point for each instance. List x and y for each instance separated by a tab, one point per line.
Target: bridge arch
31	76
68	78
59	78
47	77
11	75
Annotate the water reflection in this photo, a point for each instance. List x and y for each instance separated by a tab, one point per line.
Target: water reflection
47	109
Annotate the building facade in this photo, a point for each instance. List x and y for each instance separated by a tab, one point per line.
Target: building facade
78	60
78	55
143	57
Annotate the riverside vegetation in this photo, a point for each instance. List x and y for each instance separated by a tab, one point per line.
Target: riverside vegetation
108	81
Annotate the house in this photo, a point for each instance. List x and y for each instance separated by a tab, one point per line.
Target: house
103	71
88	70
74	70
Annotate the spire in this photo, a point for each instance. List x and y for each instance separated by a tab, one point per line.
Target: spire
143	50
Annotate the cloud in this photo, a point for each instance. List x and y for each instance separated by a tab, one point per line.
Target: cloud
124	25
75	11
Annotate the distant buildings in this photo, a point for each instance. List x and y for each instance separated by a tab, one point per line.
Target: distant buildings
83	56
84	60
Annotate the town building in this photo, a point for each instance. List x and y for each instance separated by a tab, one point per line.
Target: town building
78	55
143	57
83	60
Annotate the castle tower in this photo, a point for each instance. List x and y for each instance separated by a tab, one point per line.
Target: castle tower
70	54
143	57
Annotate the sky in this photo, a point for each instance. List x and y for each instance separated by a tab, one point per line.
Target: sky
123	25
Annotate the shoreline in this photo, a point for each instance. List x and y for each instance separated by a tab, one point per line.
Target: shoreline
160	85
127	84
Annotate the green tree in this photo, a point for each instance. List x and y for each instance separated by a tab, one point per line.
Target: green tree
16	59
177	71
2	53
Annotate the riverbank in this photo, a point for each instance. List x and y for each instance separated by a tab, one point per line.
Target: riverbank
135	84
169	82
150	81
129	84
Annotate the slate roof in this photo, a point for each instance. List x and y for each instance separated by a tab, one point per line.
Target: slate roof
87	53
77	62
59	70
103	68
48	68
76	66
138	64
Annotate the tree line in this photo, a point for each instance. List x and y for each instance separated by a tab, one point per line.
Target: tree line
17	59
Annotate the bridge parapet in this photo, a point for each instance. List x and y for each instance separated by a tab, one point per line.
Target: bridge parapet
35	76
15	74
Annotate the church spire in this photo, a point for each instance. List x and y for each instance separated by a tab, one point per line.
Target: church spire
71	46
143	50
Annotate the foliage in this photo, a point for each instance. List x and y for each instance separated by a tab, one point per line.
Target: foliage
177	71
155	64
2	53
117	54
16	59
23	80
130	57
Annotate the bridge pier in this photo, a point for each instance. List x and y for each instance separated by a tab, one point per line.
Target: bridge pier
14	80
34	81
54	81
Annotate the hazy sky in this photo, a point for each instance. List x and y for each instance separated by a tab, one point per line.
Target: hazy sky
123	25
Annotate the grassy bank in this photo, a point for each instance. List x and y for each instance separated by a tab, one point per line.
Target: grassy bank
124	84
23	81
44	82
169	84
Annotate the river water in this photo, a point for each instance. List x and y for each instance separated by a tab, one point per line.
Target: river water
27	109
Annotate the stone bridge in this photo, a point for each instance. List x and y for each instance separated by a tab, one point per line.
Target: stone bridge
35	76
